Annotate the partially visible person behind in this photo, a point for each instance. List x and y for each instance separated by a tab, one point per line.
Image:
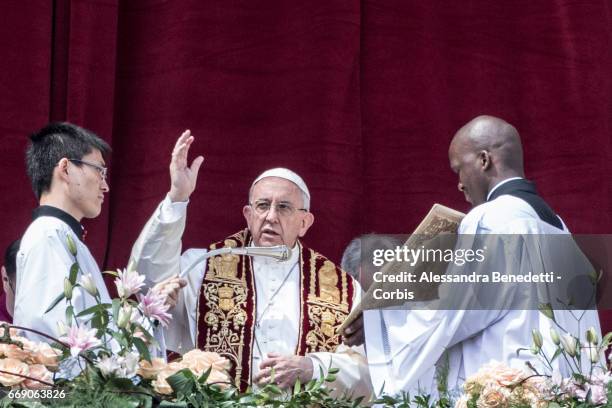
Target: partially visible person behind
8	276
360	246
353	263
66	166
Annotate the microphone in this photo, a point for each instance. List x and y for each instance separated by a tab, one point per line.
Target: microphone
278	252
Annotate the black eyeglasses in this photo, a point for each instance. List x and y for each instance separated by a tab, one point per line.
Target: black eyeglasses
283	209
101	169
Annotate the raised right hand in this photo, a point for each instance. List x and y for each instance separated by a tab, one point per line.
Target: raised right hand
182	177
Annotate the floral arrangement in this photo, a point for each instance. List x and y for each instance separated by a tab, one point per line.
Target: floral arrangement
588	385
25	363
497	385
103	358
198	362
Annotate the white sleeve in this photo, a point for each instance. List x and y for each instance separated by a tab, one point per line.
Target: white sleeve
181	331
354	376
403	346
156	254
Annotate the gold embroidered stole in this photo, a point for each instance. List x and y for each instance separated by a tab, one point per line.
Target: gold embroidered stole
226	308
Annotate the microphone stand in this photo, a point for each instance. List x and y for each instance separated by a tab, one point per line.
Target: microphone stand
278	252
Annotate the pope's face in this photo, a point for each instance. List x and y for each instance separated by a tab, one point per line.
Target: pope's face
275	215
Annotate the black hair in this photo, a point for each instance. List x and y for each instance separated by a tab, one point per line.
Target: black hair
10	260
54	142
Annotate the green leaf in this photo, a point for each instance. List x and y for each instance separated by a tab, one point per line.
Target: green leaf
94	309
142	348
116	307
606	339
546	310
579	377
330	378
146	333
557	354
69	314
119	337
273	389
55	302
205	375
172	404
518	351
111	273
297	386
74	271
182	382
71	245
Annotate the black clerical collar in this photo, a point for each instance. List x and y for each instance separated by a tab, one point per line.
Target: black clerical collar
48	211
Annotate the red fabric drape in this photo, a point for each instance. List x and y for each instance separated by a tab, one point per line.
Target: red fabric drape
360	98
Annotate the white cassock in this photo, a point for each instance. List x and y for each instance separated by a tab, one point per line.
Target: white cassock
157	254
404	346
43	261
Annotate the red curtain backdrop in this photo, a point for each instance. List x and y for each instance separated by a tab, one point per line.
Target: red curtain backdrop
359	97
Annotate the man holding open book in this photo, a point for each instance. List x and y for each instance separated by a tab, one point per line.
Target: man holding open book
404	347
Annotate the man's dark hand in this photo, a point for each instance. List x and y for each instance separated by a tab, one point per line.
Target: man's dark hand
353	334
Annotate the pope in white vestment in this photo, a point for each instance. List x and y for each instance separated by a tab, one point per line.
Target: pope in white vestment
278	293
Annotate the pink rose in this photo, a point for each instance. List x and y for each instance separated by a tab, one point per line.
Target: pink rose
503	374
493	397
12	365
45	354
40	372
199	361
16	352
160	385
150	370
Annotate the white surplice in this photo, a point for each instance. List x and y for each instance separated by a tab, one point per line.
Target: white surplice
43	262
404	346
157	254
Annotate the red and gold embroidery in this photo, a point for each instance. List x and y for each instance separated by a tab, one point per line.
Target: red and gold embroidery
226	306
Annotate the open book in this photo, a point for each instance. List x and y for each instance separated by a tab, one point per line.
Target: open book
439	220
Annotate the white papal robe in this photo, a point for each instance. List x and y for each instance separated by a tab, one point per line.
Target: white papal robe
157	254
404	346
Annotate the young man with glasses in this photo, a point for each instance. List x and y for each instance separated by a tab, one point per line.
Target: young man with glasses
65	164
273	320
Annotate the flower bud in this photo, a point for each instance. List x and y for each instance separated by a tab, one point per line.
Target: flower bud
593	352
546	310
554	335
569	344
88	284
71	245
538	341
534	349
62	330
125	315
591	336
605	342
67	289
